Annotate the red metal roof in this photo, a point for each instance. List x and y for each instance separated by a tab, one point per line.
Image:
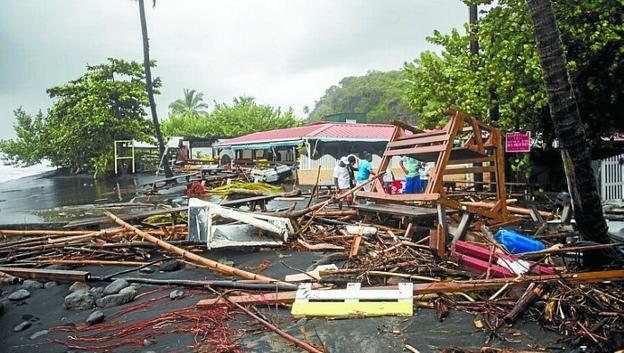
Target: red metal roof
346	131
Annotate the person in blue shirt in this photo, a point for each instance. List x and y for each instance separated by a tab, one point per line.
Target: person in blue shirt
410	167
365	169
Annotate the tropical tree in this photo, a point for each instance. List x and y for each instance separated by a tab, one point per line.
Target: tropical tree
191	104
506	75
242	117
107	103
567	123
149	87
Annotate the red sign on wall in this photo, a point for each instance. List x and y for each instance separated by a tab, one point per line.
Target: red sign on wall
518	142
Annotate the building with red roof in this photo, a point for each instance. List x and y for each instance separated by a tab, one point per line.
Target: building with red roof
309	146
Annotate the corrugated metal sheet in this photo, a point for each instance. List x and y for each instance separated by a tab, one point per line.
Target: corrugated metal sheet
323	131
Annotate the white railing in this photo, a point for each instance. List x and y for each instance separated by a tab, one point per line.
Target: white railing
612	178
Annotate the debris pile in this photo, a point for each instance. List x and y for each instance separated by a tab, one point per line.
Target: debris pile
469	251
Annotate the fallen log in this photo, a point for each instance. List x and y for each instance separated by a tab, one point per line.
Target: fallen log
228	270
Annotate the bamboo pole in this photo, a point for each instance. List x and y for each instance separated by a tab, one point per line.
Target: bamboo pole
87	236
43	232
89	262
228	270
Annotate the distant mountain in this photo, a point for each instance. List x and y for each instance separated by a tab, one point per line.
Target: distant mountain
378	94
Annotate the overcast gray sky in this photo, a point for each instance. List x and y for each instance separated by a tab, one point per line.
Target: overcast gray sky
282	52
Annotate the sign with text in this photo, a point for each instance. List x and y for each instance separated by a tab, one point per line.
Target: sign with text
518	142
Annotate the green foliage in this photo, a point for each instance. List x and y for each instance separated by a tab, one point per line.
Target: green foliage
507	74
88	114
243	117
378	94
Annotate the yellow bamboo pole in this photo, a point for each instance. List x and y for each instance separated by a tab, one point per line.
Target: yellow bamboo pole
189	255
87	262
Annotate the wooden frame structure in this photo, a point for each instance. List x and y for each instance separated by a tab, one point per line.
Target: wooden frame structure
464	140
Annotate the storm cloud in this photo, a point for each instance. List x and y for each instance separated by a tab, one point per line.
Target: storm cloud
283	52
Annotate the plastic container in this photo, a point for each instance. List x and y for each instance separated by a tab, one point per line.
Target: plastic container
517	242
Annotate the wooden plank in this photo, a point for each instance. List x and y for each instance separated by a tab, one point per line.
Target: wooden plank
469	170
491	158
417	141
415	150
47	275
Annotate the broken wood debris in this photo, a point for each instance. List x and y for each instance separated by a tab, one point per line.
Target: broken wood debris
438	243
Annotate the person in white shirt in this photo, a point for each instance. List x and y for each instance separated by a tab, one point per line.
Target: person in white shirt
342	180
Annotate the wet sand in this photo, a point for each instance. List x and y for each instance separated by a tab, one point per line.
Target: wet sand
21	199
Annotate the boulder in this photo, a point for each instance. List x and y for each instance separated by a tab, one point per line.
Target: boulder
170	265
95	318
31	284
116	286
22	326
50	284
38	334
176	294
19	294
97	292
78	286
79	300
124	296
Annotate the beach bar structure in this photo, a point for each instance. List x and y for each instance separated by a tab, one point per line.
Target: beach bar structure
312	146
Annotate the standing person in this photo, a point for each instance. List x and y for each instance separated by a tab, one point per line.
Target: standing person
352	169
365	169
341	179
412	177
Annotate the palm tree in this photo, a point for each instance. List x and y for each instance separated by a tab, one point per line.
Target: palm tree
150	91
566	119
192	104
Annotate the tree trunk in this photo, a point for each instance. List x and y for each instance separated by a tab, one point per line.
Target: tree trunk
566	119
473	17
150	91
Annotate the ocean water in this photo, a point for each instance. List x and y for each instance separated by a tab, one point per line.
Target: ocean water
9	172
